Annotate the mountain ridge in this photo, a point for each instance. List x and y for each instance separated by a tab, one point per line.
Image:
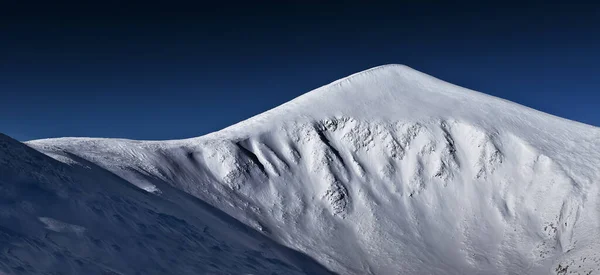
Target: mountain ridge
324	88
401	75
388	169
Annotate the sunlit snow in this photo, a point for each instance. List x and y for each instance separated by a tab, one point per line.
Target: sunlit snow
388	171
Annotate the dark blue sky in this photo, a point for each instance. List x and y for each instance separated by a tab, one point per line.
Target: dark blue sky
143	70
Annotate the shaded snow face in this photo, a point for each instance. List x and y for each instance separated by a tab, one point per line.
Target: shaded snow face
388	171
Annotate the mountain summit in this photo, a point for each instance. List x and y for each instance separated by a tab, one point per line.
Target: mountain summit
386	171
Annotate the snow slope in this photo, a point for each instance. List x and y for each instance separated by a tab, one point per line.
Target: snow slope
61	219
388	171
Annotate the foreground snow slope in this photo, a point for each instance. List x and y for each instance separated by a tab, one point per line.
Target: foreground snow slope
389	171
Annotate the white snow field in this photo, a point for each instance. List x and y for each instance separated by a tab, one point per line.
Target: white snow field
387	171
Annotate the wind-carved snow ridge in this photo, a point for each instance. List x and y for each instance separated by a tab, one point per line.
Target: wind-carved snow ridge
386	171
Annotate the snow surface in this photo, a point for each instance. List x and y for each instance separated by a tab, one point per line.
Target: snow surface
387	171
62	219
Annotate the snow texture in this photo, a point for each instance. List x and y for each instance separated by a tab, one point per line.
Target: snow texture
58	218
387	171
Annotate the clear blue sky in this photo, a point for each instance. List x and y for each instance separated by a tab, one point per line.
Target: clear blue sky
142	70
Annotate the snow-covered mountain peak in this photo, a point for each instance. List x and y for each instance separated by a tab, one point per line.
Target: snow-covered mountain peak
382	92
391	95
398	92
388	169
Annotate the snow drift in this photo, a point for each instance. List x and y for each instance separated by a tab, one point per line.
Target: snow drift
388	171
